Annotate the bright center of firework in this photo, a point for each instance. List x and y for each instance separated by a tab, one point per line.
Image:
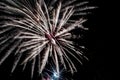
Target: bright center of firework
51	38
56	75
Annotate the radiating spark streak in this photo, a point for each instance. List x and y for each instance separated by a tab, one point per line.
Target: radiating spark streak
71	27
68	3
32	34
35	24
81	4
69	45
71	21
26	10
57	15
15	25
69	15
53	2
51	49
5	40
43	17
66	36
39	63
24	66
33	41
10	8
9	51
27	26
76	5
28	48
56	61
82	13
17	59
41	32
65	15
60	53
45	58
27	37
13	9
85	8
4	30
72	55
29	44
32	68
70	63
48	18
67	59
66	41
76	51
7	44
20	22
35	51
29	5
72	48
8	18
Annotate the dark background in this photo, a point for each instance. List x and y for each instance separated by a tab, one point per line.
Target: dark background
98	42
95	39
94	69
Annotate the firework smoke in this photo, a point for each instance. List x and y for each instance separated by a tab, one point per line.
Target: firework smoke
38	30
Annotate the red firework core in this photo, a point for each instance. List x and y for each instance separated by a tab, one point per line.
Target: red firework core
50	37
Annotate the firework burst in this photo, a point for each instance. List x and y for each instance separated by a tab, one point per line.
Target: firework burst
36	30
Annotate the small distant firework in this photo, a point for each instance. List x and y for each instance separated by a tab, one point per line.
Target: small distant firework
51	73
38	30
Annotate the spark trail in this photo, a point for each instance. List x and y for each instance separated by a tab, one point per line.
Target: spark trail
40	29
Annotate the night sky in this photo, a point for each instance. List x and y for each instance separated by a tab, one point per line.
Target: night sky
94	69
94	40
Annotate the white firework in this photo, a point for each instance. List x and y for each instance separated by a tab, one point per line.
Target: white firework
39	30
